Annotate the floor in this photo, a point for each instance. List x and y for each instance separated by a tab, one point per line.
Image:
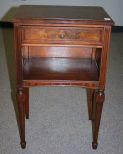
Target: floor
58	121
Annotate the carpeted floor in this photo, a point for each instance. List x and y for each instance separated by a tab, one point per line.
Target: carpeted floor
58	121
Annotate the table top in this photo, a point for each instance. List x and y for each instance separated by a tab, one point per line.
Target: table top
81	13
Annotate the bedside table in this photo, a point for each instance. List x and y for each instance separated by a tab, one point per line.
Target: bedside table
62	46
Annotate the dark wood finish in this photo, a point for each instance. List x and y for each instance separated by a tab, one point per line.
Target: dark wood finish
99	99
90	99
60	69
62	46
59	51
26	95
66	35
21	109
83	13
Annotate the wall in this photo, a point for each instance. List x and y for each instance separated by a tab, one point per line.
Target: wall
113	7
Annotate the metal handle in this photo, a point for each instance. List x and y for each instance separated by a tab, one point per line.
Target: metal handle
62	36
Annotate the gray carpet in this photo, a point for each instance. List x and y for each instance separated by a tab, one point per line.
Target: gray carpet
58	121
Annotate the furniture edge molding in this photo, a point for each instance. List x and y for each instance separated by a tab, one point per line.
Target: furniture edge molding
115	29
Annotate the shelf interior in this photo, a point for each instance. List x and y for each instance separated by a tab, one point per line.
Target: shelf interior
60	69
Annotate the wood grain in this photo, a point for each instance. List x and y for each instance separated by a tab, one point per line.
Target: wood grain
76	35
56	51
61	46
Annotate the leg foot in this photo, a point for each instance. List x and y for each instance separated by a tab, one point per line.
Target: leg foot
23	144
94	145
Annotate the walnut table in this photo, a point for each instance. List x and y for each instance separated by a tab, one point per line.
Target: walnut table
62	46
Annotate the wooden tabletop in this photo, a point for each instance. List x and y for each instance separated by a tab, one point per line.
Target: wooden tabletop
83	13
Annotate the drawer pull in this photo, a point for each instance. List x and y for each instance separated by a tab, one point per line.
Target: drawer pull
62	36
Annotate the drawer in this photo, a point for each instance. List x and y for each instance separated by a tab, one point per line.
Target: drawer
61	35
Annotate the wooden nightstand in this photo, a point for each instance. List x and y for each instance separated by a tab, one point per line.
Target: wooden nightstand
62	46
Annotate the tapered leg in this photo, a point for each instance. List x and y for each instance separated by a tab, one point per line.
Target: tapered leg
99	99
21	109
26	94
90	95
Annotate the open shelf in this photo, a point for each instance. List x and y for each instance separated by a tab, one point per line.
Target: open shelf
61	69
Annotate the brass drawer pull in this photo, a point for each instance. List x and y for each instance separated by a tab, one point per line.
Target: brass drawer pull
62	36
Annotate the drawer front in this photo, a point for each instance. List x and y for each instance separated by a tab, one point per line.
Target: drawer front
65	35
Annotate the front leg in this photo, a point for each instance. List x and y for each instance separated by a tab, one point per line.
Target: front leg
99	99
21	109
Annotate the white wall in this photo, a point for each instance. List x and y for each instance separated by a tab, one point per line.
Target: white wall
113	7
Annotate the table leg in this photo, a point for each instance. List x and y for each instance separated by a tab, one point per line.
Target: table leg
99	99
21	109
26	95
90	95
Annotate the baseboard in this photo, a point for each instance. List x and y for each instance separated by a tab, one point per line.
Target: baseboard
6	25
117	29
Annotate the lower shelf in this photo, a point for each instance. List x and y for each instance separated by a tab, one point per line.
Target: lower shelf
60	69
